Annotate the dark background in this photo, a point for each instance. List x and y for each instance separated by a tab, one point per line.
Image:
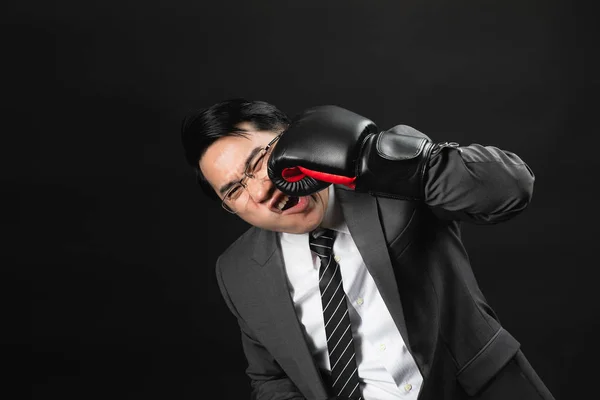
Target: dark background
108	247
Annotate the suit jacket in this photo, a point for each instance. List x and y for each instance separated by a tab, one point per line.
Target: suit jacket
414	252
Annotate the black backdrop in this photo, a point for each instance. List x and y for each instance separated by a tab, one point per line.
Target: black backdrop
108	247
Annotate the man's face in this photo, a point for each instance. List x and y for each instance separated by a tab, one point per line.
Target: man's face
225	161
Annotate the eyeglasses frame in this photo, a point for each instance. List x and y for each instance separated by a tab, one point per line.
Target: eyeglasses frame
247	175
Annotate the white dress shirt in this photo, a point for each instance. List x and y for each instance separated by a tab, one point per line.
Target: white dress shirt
386	369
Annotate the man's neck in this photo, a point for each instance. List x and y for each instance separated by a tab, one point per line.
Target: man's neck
333	218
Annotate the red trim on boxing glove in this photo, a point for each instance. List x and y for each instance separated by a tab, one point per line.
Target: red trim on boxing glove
295	174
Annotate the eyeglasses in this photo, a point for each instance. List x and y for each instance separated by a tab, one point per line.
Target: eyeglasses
254	170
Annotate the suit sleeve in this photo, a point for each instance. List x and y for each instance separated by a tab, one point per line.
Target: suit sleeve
478	184
268	380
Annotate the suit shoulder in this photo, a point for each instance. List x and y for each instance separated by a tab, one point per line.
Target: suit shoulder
239	249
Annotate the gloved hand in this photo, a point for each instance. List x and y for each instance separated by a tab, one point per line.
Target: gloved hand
329	144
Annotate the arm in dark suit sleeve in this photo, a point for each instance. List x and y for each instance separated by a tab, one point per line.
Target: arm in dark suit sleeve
268	380
479	184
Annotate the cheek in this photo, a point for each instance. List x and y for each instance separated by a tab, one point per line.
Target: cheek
262	220
254	213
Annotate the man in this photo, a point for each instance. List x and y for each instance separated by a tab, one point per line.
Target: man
353	281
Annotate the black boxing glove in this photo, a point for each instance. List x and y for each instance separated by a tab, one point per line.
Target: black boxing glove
329	144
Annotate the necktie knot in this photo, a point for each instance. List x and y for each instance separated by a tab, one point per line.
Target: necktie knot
321	242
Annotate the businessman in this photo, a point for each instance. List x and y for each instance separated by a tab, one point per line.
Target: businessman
353	282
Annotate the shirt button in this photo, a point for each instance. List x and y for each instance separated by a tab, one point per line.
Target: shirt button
337	258
382	347
407	387
360	301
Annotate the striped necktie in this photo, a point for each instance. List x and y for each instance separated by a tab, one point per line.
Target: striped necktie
344	373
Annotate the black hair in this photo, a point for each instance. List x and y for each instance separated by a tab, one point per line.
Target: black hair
202	128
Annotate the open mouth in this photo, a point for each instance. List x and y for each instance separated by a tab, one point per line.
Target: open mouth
287	202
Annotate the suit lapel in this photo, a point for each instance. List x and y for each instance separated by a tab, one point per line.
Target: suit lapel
291	343
362	218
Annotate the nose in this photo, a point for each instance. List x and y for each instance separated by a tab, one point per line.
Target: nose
260	190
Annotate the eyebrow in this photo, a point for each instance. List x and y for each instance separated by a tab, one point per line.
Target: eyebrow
228	185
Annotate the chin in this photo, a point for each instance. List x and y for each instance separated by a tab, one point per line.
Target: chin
313	224
299	229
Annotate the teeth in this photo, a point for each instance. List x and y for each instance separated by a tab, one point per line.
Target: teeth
283	202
